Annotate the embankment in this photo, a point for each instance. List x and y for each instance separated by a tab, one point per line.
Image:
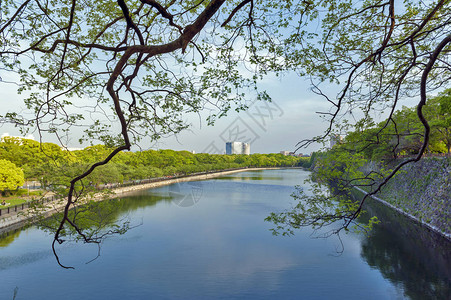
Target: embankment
422	191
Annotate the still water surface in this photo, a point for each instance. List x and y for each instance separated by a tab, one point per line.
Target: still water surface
208	240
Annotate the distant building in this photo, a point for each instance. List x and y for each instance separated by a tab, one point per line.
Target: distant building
246	148
335	139
290	153
238	148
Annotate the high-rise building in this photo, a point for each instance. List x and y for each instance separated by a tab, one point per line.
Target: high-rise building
238	148
246	148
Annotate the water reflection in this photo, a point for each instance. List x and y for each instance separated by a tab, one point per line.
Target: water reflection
16	261
248	178
406	253
7	238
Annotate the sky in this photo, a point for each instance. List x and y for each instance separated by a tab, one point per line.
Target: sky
270	127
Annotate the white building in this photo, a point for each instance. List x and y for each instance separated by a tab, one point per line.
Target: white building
238	148
246	148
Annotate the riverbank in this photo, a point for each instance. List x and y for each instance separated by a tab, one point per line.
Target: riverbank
410	216
421	191
21	218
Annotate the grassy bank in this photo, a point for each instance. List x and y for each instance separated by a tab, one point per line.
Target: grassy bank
19	197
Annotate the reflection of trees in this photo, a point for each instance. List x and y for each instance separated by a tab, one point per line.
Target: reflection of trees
405	253
103	218
140	200
100	217
249	178
8	237
409	255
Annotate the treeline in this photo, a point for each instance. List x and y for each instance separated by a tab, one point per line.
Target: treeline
54	166
403	134
365	156
364	159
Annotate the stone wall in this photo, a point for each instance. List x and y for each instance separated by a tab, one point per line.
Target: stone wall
423	190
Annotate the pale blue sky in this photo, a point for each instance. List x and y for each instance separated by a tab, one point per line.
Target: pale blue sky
270	127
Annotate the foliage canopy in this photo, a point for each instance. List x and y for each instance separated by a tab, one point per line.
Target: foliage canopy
11	176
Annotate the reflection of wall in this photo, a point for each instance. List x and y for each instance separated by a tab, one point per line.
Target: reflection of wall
407	253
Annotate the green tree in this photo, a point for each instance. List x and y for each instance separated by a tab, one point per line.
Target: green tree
11	176
109	173
439	112
23	151
145	64
378	54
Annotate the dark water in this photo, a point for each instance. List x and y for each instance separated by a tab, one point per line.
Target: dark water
208	240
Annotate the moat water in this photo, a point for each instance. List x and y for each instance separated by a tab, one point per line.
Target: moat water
209	240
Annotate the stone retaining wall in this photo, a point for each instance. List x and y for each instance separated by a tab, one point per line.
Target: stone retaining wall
421	191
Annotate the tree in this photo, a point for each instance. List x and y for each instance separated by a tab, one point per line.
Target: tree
11	176
22	151
144	64
439	111
377	53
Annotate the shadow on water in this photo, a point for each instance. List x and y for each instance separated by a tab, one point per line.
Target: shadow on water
114	209
408	254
